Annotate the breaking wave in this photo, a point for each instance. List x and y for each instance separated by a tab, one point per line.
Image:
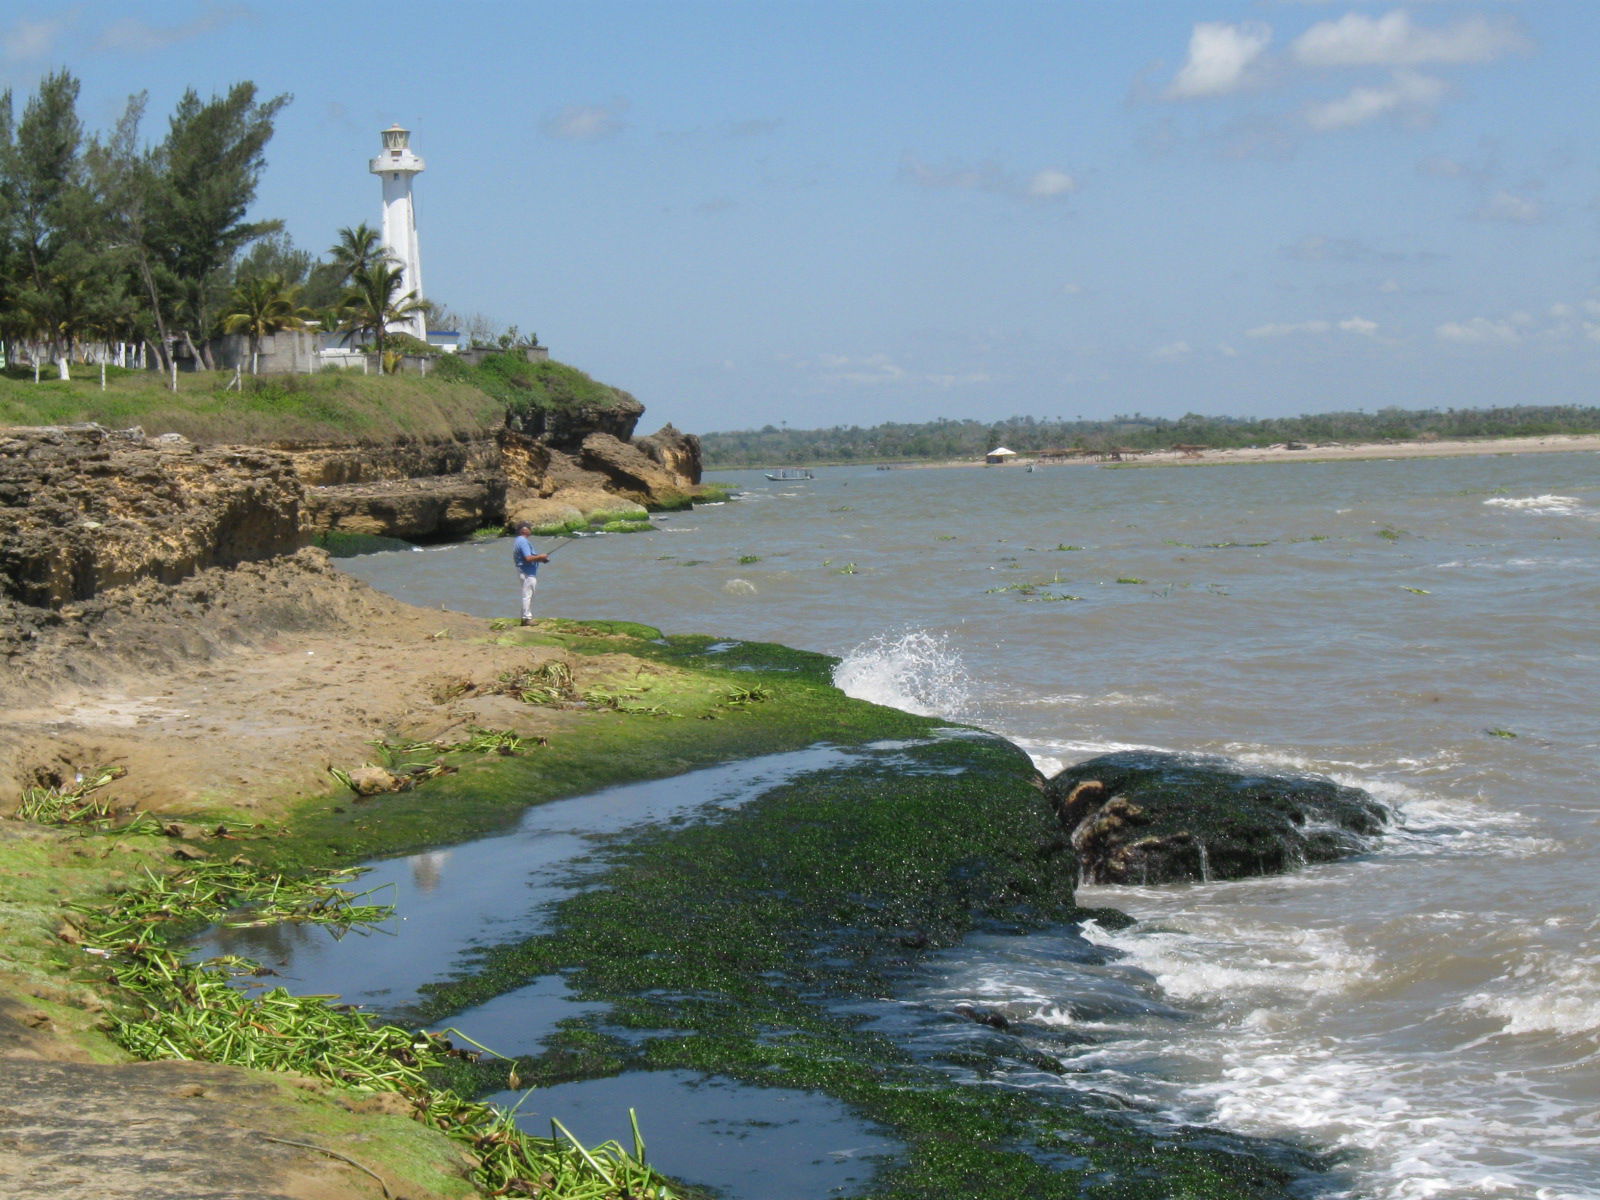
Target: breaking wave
917	671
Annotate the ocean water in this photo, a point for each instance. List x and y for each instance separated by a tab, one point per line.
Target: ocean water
1421	629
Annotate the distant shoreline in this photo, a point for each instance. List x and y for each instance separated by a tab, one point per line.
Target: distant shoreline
1312	452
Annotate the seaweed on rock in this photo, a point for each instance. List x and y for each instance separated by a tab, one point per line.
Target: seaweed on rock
744	947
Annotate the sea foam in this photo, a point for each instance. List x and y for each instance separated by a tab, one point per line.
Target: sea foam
916	670
1560	506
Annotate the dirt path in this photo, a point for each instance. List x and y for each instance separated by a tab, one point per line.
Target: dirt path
294	675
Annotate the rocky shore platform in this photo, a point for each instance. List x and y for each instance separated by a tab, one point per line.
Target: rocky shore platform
225	686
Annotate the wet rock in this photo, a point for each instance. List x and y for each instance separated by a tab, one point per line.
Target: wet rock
572	507
982	1016
1146	817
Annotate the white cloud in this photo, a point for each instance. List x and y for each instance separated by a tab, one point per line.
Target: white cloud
1172	350
872	368
1393	40
1390	287
28	40
1479	331
1407	95
1359	326
1277	329
958	379
1560	324
586	122
1222	59
134	36
876	370
1507	206
1050	182
1047	184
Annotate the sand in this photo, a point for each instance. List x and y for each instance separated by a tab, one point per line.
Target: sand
1326	452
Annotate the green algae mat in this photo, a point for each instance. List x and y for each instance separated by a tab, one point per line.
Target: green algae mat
761	943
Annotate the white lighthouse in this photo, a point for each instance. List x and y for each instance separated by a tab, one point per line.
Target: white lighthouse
397	166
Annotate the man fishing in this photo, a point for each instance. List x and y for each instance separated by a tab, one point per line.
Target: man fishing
527	560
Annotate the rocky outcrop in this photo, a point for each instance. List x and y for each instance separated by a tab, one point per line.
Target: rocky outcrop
83	509
1145	817
422	491
605	479
678	453
155	626
565	426
630	472
431	508
326	465
572	508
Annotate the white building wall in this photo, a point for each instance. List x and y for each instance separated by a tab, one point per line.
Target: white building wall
397	167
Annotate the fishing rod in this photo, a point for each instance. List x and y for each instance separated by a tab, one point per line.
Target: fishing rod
558	546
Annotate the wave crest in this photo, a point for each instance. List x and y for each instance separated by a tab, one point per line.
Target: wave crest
917	671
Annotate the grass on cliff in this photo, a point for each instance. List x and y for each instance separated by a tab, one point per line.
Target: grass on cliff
333	406
522	385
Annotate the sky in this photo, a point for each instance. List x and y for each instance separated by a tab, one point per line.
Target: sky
846	212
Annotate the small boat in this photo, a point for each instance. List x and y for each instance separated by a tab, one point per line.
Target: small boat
789	475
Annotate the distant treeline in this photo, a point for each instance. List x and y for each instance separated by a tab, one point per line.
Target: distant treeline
947	439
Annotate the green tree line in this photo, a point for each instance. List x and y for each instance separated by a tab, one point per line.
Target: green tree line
104	238
107	239
967	439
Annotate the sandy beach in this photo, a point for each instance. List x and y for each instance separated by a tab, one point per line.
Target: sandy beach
1315	452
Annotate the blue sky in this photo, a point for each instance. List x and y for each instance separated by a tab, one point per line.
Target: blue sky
853	211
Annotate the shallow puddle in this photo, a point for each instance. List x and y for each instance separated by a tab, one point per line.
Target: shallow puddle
756	1142
489	892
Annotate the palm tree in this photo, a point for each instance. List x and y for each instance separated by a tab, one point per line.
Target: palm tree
374	303
261	306
357	249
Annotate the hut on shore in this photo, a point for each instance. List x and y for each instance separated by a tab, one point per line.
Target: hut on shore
999	456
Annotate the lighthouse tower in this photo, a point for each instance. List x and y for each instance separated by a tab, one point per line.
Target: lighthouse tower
396	167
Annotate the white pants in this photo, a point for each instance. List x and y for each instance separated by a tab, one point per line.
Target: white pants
529	582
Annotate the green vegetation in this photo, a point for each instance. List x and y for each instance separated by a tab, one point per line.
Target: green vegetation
455	399
172	1008
742	946
336	406
536	387
105	240
946	439
747	700
747	946
1039	590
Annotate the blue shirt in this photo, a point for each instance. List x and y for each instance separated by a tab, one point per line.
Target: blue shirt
522	553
